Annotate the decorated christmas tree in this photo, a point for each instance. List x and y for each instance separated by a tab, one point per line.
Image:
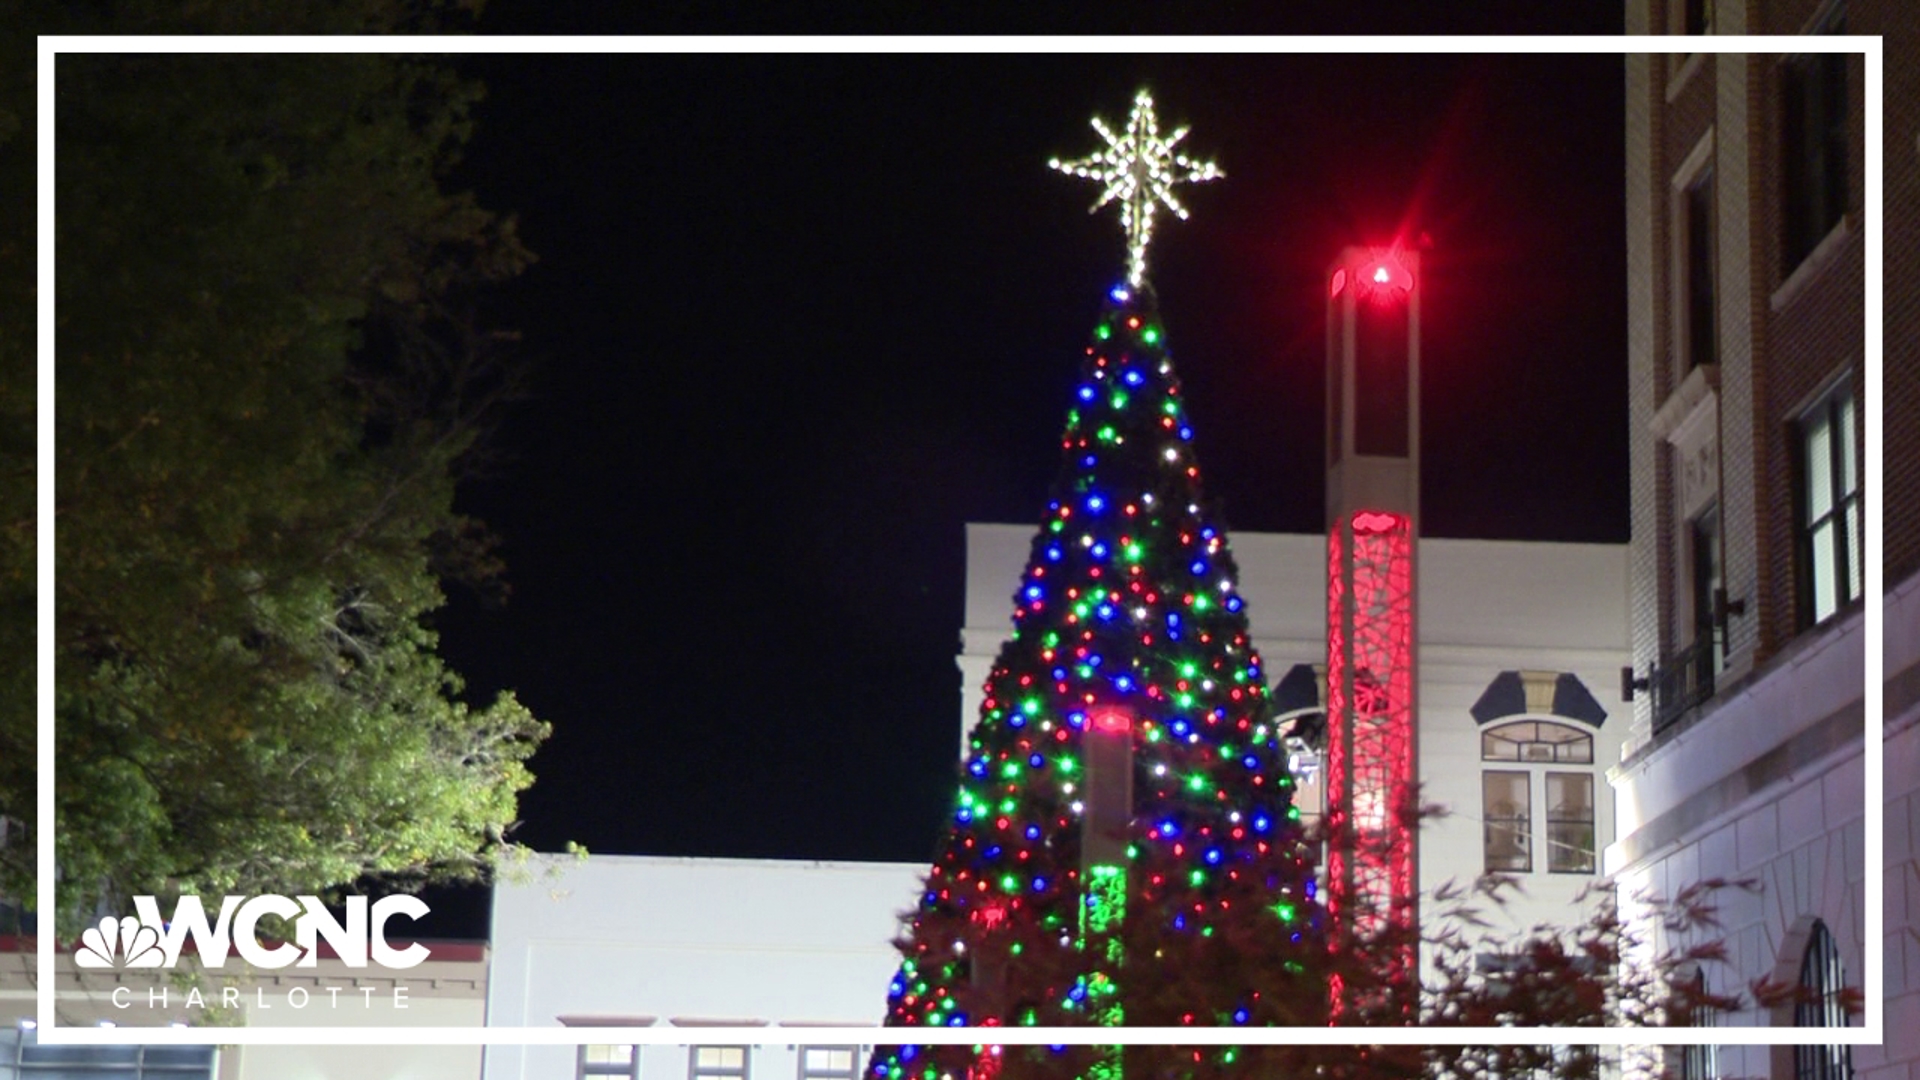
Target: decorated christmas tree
1123	849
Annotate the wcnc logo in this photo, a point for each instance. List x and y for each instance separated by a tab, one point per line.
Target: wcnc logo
152	942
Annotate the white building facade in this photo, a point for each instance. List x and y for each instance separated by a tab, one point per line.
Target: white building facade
634	941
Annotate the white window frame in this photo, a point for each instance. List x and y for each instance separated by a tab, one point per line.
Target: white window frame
1849	550
1694	170
589	1070
696	1071
851	1072
1539	810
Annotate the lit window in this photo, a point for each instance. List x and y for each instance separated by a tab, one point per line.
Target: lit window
829	1063
717	1063
1509	822
1532	740
609	1060
1570	823
1813	146
1829	534
1820	1005
1508	797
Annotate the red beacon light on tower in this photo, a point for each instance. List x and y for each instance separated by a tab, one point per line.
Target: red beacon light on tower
1381	279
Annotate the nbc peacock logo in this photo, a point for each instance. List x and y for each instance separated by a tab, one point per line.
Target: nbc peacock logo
125	942
150	940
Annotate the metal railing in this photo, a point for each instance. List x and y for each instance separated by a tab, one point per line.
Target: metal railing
1682	681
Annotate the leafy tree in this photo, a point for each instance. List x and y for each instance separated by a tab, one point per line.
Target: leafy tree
17	218
268	376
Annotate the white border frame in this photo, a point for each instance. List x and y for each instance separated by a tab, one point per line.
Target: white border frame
1872	977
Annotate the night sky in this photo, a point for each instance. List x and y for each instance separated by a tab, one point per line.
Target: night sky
797	319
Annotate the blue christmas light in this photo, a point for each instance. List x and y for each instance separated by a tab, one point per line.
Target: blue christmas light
1134	378
1035	592
1261	822
1199	567
1214	856
1086	393
1054	553
1096	504
1033	833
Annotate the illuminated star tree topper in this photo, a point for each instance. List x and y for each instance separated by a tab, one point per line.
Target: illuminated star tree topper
1139	170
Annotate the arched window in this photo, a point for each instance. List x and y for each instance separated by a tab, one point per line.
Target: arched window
1820	1005
1700	1062
1508	796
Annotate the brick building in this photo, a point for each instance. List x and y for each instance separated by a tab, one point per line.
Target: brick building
1747	230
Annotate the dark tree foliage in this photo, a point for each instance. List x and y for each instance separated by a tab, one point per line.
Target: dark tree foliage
268	375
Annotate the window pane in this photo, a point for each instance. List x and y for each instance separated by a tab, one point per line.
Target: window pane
826	1063
1570	835
1821	978
1507	812
1819	466
1853	549
1700	304
1495	746
1536	741
37	1054
1847	482
1824	539
177	1057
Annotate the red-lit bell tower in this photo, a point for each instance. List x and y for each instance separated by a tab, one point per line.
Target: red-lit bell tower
1373	504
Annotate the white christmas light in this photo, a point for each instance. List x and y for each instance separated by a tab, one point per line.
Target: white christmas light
1139	170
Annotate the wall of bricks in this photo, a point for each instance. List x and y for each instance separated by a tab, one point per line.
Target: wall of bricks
1643	345
1899	27
1780	349
1816	335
